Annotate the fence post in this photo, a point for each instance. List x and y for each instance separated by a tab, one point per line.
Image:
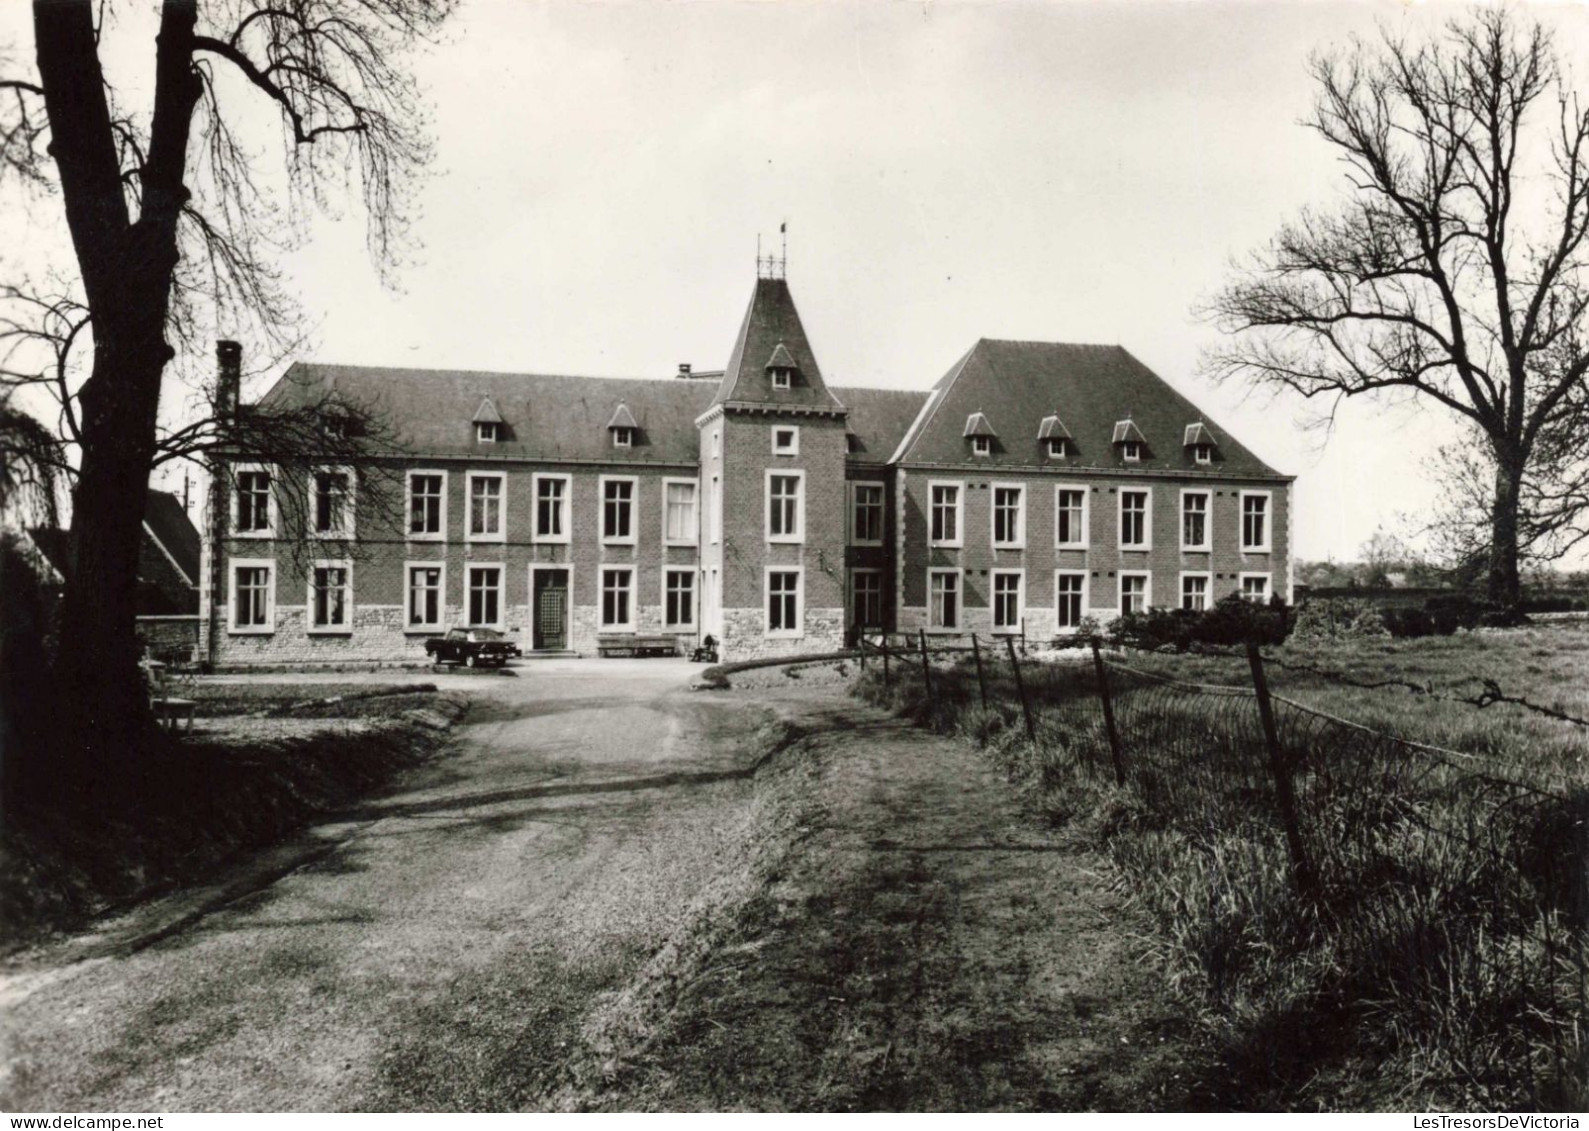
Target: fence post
926	667
1282	774
1020	687
1109	715
887	679
982	683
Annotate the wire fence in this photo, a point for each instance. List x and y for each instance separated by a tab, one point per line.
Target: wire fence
1446	892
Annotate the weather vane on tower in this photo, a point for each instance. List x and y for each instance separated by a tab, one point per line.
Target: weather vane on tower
772	266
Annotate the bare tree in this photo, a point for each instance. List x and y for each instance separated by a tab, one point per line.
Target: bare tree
173	228
1454	272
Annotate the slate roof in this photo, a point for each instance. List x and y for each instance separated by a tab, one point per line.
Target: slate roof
1017	384
165	523
550	417
772	323
174	530
879	419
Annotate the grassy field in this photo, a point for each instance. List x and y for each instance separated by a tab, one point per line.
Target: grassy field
1434	958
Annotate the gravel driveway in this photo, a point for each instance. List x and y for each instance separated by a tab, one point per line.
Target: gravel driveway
444	955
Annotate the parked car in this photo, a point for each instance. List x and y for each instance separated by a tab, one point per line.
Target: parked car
472	647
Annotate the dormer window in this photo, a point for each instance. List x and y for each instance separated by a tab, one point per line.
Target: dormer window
1130	441
1131	451
487	431
980	433
623	437
1200	441
1203	453
623	427
1056	447
1055	436
781	367
335	426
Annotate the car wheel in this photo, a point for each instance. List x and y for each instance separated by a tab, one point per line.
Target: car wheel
469	661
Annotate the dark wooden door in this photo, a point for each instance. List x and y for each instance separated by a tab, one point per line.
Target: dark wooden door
551	609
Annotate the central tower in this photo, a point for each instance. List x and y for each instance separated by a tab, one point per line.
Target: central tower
773	445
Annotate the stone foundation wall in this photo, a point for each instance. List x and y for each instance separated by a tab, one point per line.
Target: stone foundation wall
744	637
170	638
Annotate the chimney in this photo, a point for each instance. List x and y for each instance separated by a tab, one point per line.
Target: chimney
684	370
228	378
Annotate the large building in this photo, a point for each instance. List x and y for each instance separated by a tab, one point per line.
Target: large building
1034	485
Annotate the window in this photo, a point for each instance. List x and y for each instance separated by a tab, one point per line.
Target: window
617	598
427	505
1056	447
678	598
253	502
785	506
866	597
1131	451
1134	595
1203	453
1255	521
330	597
785	441
1194	520
678	512
487	432
945	514
1009	516
253	596
1007	606
780	377
1135	530
866	514
617	510
783	602
1070	517
1255	586
623	437
485	596
943	598
1070	598
1194	591
332	504
551	508
485	507
425	595
981	445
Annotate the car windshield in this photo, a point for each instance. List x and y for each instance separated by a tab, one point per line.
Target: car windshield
486	634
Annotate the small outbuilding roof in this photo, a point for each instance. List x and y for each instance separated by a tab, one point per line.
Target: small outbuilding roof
977	425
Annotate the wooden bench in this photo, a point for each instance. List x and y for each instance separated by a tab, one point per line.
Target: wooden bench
638	646
169	710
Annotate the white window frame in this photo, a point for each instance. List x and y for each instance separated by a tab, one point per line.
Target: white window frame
272	517
440	535
1207	544
982	446
1147	588
633	537
310	627
799	535
269	566
1019	541
958	541
1203	454
782	377
1085	593
487	431
1208	588
1086	516
695	599
1131	451
960	598
800	603
694	536
1058	447
536	534
623	437
882	607
469	571
601	597
794	444
993	601
1268	522
882	511
349	505
1147	519
1268	585
501	533
409	625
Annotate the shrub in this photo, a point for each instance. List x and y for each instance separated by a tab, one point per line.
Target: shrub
1232	621
1335	618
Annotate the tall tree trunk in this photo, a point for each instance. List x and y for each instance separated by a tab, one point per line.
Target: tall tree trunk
1505	586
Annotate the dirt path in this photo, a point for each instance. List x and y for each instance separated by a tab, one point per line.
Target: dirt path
924	945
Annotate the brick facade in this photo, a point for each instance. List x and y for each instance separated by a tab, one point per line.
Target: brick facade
766	435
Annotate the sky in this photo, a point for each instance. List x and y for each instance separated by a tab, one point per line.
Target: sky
947	171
